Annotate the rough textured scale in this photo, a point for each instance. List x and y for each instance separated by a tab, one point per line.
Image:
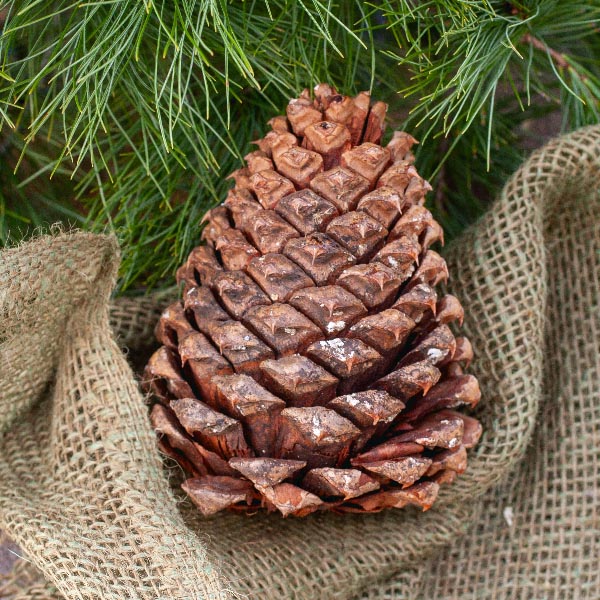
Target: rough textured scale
311	364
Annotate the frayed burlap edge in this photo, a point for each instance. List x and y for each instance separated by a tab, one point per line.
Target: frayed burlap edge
81	485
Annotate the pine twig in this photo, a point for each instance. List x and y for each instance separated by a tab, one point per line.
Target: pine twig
559	58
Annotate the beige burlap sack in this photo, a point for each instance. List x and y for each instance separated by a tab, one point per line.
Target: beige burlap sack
84	493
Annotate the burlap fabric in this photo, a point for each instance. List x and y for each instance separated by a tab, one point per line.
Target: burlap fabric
84	493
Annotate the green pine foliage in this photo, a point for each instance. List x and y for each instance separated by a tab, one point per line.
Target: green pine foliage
127	115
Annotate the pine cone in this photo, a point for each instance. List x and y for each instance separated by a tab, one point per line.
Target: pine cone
310	365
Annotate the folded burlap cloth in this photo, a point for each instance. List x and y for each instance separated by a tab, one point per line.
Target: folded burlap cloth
84	492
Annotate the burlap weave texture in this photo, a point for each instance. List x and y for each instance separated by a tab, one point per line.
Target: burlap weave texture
83	491
537	536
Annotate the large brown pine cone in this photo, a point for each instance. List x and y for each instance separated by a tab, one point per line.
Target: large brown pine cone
310	364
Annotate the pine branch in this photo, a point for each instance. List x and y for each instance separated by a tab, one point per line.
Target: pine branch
149	105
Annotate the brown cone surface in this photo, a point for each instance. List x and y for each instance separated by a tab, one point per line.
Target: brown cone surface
310	364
